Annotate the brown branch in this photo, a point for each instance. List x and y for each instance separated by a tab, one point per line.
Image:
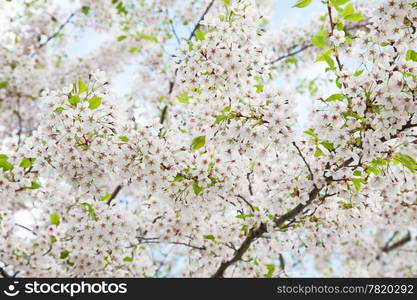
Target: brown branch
304	47
254	234
20	121
305	161
5	274
164	110
249	182
156	241
55	34
114	194
26	228
247	202
307	46
201	19
388	248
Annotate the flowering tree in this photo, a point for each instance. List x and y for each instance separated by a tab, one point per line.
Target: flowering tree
205	168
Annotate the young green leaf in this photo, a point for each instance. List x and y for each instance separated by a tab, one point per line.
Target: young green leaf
200	35
320	39
94	102
59	110
302	3
411	55
54	219
184	97
335	97
26	162
197	189
198	142
90	210
74	100
81	86
33	186
3	84
124	139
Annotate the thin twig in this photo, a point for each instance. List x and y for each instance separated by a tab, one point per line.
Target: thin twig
201	19
55	34
303	158
114	194
26	228
305	47
247	202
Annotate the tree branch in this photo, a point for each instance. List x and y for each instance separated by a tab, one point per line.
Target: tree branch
254	234
114	194
304	47
201	19
303	158
5	274
388	248
55	34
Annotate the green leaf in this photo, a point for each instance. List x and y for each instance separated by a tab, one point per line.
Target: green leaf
70	263
335	97
128	259
184	97
227	109
54	219
85	10
105	197
226	2
124	138
81	86
339	2
64	254
178	178
354	17
411	55
243	216
329	146
348	10
259	88
148	38
120	8
90	210
220	118
59	110
198	142
26	162
407	161
372	169
3	84
318	152
349	14
357	173
4	163
302	3
197	189
357	183
311	132
200	35
210	237
358	73
74	100
271	269
94	102
326	57
121	38
33	186
133	49
320	39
